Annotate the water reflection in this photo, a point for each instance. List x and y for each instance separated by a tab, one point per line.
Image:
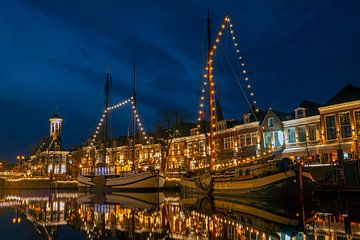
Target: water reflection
73	215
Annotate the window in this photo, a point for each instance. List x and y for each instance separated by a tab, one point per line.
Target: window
201	146
330	127
242	140
291	135
189	147
300	113
278	138
248	139
267	139
312	132
302	134
271	122
228	142
217	143
345	125
357	122
247	117
254	138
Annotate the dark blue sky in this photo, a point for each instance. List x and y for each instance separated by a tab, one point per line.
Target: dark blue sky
55	53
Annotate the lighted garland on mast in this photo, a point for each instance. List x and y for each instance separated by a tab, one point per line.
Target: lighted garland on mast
100	124
209	75
138	121
244	71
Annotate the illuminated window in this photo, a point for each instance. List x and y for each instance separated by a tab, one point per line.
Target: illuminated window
189	147
200	146
330	127
267	139
228	143
254	138
291	135
345	125
357	122
248	139
312	132
278	138
242	140
302	134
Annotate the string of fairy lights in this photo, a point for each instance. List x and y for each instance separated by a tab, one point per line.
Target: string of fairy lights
100	124
208	78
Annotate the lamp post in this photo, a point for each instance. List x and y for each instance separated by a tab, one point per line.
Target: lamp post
20	159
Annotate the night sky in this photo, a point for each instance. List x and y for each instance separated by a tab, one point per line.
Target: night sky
54	54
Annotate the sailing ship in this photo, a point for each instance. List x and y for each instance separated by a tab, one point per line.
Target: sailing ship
263	177
136	180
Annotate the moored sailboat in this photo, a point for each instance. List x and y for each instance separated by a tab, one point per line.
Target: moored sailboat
103	177
263	177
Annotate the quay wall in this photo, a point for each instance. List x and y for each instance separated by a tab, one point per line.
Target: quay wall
36	183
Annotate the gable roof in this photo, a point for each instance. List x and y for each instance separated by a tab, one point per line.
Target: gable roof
281	115
346	94
260	115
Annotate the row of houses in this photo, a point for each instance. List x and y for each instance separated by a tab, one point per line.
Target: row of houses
312	132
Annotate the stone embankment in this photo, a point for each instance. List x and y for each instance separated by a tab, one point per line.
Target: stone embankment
36	183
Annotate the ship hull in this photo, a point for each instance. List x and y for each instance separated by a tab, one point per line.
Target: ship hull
283	184
199	185
131	182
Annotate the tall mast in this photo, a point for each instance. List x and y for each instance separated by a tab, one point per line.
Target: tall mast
134	119
105	137
211	95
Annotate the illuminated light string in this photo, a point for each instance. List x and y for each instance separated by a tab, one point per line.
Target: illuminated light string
102	119
114	107
244	71
209	69
139	123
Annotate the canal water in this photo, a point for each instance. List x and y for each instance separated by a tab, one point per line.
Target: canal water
170	215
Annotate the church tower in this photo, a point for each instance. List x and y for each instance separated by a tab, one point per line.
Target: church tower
55	126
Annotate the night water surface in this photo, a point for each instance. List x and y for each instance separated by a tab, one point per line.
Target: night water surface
169	215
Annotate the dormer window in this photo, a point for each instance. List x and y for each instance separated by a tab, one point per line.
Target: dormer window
247	117
194	131
221	125
300	113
